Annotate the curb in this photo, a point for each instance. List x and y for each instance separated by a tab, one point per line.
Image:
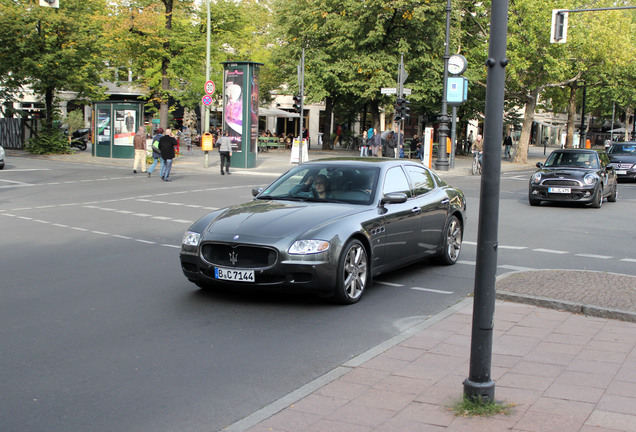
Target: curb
566	306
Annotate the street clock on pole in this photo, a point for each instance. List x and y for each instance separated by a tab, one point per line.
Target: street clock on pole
457	64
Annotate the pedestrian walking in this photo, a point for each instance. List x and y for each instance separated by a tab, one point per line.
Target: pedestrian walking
140	150
376	142
167	144
507	144
225	152
156	154
470	141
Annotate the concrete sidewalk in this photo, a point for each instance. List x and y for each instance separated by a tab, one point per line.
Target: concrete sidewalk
559	370
270	163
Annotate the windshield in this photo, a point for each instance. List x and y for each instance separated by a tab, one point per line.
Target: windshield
572	160
626	149
325	183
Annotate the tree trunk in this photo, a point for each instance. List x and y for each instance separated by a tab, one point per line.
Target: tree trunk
375	115
165	64
569	140
521	155
629	125
326	126
48	102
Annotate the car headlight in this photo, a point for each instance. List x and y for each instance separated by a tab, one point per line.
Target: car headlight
191	239
589	179
306	247
190	243
536	177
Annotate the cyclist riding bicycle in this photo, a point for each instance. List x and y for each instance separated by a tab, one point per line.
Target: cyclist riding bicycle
478	147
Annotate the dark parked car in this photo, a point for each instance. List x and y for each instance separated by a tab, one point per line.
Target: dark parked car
1	157
574	175
622	157
328	227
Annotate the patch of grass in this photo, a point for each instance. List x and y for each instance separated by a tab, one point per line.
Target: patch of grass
468	407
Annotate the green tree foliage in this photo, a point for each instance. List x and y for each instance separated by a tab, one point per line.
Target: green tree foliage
353	50
47	50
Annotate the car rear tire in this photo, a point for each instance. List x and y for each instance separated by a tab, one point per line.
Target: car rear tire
613	196
452	244
598	198
353	273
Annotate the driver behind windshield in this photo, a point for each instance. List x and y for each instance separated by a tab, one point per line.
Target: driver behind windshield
317	187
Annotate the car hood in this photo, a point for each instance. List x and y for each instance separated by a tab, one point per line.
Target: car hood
276	219
618	158
564	172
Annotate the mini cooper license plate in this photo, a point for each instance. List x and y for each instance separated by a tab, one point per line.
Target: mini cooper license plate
559	190
621	172
234	275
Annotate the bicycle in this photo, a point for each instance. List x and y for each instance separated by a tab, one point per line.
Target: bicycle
476	168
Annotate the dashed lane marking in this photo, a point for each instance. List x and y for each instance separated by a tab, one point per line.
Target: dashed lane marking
431	290
86	230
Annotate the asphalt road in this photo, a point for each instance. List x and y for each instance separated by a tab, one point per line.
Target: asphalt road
101	331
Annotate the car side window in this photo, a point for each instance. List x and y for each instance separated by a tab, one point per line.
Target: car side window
395	181
420	179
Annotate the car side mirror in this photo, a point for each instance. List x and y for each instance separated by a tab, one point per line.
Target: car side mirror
539	164
256	191
394	198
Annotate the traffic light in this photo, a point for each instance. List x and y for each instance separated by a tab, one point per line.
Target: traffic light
559	28
297	103
401	109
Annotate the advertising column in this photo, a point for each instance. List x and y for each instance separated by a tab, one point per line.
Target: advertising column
240	110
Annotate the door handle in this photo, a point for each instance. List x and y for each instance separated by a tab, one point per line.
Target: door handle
445	201
416	210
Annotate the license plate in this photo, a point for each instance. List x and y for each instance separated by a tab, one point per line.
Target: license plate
621	172
559	190
234	275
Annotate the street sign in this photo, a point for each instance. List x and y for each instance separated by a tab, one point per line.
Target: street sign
388	90
456	90
207	100
209	87
407	91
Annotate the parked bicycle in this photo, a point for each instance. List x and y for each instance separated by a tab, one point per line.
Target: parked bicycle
476	168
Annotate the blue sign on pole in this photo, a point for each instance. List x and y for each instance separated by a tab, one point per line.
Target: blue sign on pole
456	90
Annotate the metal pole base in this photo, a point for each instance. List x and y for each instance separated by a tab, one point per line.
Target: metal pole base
484	392
206	160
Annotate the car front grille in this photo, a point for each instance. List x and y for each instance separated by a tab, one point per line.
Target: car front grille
238	256
622	166
560	182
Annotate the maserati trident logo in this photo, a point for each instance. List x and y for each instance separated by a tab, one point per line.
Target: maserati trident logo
233	258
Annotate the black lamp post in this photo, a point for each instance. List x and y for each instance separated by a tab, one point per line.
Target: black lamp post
442	164
479	384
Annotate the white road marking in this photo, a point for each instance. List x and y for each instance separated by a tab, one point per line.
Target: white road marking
431	290
388	283
593	256
551	251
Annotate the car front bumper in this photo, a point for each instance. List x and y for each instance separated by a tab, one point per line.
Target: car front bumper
574	193
317	277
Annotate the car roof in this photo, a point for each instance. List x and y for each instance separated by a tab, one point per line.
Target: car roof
362	161
574	151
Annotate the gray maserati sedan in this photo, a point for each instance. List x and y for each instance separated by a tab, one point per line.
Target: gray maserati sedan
328	227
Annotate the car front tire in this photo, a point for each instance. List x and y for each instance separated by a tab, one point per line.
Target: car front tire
353	273
598	198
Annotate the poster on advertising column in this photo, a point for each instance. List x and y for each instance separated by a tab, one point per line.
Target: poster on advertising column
233	106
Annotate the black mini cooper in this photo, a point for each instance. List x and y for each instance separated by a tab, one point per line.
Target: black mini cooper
574	175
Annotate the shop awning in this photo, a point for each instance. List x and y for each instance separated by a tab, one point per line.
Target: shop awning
275	112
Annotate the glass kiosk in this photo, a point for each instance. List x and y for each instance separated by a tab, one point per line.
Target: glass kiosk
114	125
